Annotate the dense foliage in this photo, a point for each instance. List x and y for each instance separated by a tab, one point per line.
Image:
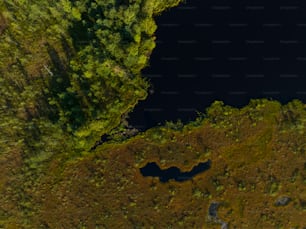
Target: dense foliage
69	70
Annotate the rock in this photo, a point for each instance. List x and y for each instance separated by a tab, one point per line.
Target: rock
212	210
224	225
282	201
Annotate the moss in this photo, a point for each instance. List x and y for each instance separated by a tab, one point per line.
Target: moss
106	184
62	100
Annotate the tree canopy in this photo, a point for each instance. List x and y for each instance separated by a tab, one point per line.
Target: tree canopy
72	69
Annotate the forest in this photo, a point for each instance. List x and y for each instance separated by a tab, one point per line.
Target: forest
71	69
70	73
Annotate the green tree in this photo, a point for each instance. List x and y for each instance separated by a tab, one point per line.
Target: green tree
75	63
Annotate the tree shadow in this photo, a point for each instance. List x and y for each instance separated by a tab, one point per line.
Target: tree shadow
69	105
3	23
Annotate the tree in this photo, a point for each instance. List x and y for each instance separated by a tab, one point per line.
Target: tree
76	63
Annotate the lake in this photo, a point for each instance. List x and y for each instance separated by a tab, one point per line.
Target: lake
226	50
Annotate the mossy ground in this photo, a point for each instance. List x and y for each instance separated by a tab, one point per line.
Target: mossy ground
257	152
251	169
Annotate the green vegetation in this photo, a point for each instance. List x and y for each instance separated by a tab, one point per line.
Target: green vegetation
70	72
72	69
258	180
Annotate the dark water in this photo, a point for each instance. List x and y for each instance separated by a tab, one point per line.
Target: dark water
152	169
227	50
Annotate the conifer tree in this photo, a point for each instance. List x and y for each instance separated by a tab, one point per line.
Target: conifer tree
74	64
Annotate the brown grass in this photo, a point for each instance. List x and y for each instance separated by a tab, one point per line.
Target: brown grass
106	190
